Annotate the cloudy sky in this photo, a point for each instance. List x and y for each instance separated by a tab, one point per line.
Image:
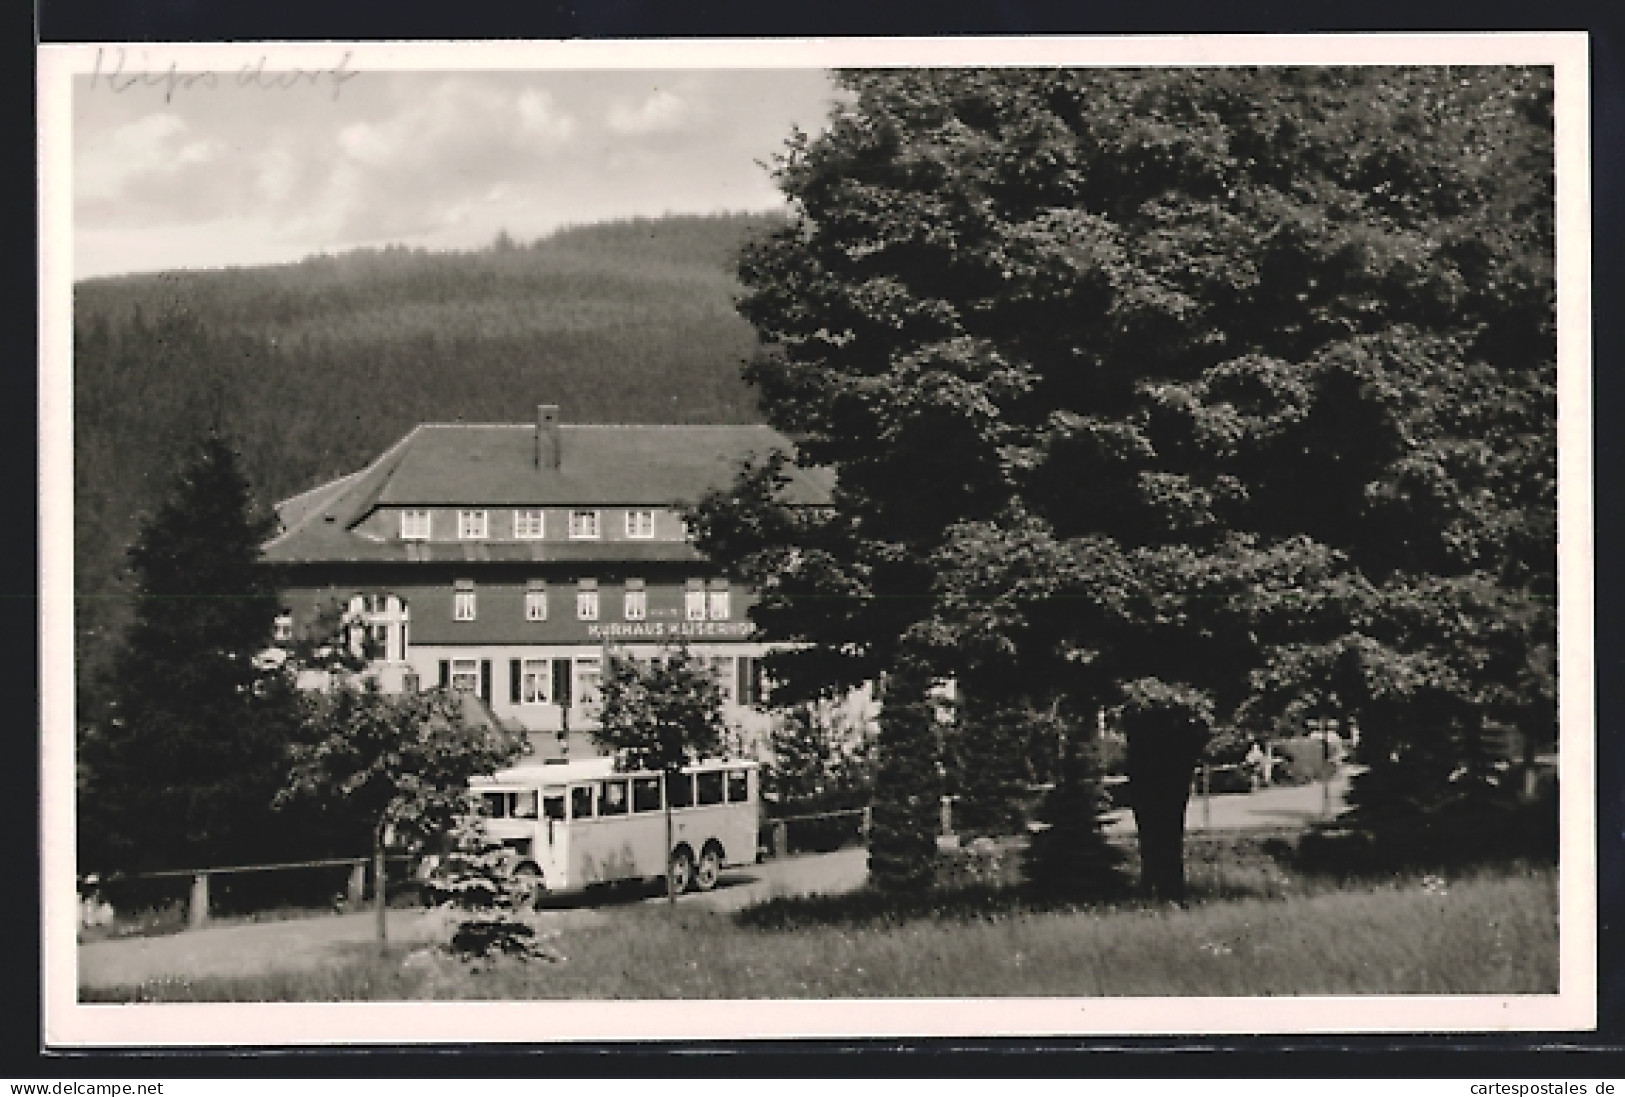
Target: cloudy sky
240	175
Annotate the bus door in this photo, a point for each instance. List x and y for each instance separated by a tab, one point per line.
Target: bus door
585	864
552	846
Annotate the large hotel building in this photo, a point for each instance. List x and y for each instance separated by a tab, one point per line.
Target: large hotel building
505	561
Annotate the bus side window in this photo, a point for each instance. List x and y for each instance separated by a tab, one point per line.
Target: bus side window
738	786
581	802
496	805
553	807
524	804
645	794
612	798
680	789
710	784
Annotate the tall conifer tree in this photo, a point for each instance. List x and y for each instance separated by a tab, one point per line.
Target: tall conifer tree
183	769
908	787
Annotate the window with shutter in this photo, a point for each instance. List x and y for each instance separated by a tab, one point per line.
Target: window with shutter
533	685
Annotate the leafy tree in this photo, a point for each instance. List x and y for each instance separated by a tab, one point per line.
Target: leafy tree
1206	393
661	715
908	786
817	754
181	769
1071	858
400	761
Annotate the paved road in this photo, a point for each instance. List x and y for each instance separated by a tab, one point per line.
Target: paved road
1287	806
306	943
254	948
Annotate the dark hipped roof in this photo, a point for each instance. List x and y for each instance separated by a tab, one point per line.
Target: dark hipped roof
495	465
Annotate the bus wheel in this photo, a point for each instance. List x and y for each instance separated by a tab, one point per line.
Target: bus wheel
529	879
682	871
709	870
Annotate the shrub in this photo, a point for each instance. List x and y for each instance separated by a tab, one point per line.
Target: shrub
1071	857
478	879
902	845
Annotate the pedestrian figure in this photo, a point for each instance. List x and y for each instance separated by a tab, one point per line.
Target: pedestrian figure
1255	765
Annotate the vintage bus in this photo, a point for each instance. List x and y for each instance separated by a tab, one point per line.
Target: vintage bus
576	824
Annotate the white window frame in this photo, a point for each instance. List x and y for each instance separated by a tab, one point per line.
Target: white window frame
717	604
282	627
587	669
535	681
640	530
473	525
586	603
536	605
635	604
469	668
694	603
524	529
416	524
464	605
579	528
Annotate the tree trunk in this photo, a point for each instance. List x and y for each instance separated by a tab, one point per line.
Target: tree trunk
1159	817
1159	790
378	897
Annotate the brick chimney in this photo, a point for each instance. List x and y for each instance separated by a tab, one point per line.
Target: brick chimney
547	436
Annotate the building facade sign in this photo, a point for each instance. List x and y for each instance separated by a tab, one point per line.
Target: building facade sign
670	630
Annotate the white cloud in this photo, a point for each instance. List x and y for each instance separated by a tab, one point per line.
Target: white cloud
540	118
151	148
421	166
277	172
662	111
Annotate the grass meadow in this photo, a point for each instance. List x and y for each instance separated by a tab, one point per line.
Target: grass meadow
1491	932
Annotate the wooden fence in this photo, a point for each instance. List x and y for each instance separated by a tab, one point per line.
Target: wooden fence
779	826
198	900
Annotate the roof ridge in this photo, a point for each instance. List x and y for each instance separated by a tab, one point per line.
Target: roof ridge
359	477
323	486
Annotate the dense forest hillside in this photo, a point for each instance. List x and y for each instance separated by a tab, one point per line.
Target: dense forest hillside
315	367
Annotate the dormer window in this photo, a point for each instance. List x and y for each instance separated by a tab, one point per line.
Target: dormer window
414	525
640	524
527	524
472	524
584	525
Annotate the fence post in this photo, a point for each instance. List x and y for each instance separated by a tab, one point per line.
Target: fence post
199	913
868	820
947	816
358	882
